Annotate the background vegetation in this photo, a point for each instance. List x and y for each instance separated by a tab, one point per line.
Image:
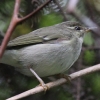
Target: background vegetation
84	88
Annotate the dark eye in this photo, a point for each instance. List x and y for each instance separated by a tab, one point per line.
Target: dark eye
77	28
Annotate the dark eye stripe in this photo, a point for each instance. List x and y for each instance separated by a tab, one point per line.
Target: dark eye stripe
77	28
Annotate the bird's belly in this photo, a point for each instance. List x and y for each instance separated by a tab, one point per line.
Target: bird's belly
46	62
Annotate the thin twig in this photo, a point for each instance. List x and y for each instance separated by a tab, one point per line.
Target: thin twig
39	8
78	88
61	10
14	21
87	21
79	83
72	9
57	82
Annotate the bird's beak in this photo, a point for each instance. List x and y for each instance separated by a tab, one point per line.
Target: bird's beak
90	28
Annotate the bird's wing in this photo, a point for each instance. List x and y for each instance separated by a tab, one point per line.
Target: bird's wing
38	36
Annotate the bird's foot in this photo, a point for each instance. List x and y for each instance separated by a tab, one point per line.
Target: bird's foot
45	87
68	78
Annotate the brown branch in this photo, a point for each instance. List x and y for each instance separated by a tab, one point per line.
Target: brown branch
14	21
79	83
72	9
90	48
72	5
56	83
30	15
78	89
87	21
11	28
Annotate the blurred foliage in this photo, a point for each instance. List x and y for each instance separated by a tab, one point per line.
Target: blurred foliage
12	82
89	58
21	30
5	13
88	39
96	84
53	18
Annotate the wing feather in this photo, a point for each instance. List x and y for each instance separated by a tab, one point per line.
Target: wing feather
37	36
58	31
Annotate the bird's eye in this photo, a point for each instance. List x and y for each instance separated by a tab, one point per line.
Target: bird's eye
77	28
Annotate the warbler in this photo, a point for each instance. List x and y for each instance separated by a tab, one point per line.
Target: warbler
46	51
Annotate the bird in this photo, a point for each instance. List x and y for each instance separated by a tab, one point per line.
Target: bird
46	51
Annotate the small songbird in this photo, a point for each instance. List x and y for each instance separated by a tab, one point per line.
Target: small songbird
46	51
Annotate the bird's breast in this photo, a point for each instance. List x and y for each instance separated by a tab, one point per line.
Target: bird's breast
48	59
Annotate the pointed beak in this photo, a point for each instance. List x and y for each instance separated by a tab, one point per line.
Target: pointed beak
90	28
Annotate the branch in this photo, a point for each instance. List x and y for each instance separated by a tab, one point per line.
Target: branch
57	82
39	8
72	9
15	21
87	21
72	5
11	28
61	10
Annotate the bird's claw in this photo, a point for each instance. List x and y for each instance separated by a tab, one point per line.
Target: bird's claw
68	78
45	87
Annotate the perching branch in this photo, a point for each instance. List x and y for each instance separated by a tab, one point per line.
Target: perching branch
16	20
57	82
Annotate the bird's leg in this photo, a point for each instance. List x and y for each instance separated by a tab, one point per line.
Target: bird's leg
39	79
68	78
